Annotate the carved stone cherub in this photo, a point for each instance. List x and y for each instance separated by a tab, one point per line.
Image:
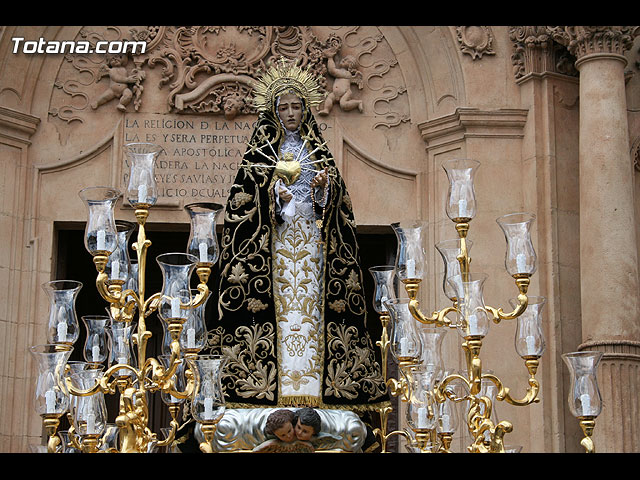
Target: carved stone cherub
345	73
122	84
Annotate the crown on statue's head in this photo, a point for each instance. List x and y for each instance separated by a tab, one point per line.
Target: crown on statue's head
285	76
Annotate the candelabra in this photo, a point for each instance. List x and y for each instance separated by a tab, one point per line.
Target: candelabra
120	339
429	390
585	402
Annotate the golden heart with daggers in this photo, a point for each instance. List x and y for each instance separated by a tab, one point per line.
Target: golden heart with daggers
288	170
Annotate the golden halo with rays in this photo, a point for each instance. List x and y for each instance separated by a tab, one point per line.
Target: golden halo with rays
281	77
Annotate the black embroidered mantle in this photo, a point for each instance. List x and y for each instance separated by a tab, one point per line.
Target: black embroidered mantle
245	330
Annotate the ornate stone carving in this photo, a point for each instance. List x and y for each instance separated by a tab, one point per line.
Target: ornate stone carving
535	51
211	69
345	73
475	41
124	84
585	40
635	154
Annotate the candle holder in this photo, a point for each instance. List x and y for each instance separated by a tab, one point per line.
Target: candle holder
585	402
142	189
448	417
52	396
422	411
384	291
96	347
131	373
208	405
194	332
469	313
203	242
88	412
63	328
451	252
461	199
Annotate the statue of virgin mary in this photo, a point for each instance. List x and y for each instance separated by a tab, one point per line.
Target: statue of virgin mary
291	310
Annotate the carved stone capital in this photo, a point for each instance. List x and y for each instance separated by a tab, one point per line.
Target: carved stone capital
588	40
537	52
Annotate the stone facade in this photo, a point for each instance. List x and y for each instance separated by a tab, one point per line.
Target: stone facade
552	114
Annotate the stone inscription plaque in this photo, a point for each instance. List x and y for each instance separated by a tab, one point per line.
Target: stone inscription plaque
201	154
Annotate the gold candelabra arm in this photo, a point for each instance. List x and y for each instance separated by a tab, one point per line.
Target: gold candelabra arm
495	444
132	421
82	393
383	435
402	388
51	422
208	431
587	424
111	293
499	314
125	312
151	304
480	424
398	388
442	393
445	442
74	439
174	410
532	391
203	270
203	293
384	342
437	318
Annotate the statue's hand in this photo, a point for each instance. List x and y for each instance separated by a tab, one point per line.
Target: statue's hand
285	195
320	180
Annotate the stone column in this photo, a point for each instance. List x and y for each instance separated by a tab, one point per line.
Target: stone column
608	251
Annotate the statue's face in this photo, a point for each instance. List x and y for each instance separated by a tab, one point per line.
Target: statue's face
290	111
285	433
304	432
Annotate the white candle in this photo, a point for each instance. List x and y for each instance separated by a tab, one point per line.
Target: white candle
115	270
521	263
585	400
175	308
208	408
95	353
50	401
404	346
531	344
411	268
101	240
202	247
62	331
91	423
382	300
422	417
122	361
445	422
191	338
142	193
472	325
462	208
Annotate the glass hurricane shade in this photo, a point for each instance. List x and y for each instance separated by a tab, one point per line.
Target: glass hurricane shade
101	235
410	262
203	242
461	198
142	189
